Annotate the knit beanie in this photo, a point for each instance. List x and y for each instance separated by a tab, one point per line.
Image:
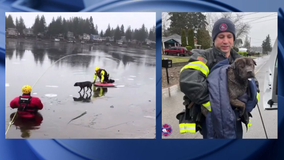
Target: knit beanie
223	25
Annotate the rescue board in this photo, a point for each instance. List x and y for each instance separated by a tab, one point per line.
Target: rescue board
104	84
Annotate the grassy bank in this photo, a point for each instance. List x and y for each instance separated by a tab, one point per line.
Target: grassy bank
179	60
176	60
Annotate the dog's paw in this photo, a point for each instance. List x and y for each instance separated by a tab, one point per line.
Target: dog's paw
241	112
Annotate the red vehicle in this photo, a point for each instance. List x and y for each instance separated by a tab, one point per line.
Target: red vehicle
178	51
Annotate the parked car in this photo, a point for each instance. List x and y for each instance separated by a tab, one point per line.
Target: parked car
178	51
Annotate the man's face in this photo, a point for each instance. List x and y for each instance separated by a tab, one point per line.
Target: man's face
224	41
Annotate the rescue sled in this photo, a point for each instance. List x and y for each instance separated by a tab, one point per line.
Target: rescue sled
98	84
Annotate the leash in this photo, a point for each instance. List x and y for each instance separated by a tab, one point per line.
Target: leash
262	121
12	121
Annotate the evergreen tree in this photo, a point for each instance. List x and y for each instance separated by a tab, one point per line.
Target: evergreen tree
107	32
76	26
92	30
142	35
117	34
42	25
65	27
183	38
36	25
79	26
186	20
128	34
59	26
20	25
112	31
146	33
203	38
10	22
51	28
266	45
136	34
85	28
17	24
190	38
96	30
122	30
6	19
152	34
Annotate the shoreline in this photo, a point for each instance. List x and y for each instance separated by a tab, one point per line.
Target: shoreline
50	41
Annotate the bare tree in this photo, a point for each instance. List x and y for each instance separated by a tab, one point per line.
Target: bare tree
165	24
242	29
211	18
246	43
226	15
238	42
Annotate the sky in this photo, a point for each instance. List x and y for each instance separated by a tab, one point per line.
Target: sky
101	19
262	24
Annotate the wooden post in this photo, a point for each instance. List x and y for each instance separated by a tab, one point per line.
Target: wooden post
167	75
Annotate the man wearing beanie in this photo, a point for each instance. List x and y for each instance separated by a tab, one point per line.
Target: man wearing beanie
193	78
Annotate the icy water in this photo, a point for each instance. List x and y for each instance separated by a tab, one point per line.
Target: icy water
127	111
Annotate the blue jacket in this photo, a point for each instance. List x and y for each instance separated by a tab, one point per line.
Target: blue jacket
221	121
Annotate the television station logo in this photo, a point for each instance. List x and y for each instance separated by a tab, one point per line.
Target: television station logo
166	130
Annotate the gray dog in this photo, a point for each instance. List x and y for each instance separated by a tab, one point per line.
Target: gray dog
238	74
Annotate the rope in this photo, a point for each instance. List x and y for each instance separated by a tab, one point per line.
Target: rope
262	121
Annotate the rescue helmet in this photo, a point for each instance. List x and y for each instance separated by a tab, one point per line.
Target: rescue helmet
97	68
26	89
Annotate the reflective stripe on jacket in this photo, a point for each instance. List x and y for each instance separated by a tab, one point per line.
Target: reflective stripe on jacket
102	74
193	75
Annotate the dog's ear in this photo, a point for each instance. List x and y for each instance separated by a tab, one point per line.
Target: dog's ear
233	65
254	62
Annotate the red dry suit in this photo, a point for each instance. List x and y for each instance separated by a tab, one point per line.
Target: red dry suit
27	105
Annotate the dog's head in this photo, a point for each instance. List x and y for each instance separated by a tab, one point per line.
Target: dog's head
76	84
244	67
